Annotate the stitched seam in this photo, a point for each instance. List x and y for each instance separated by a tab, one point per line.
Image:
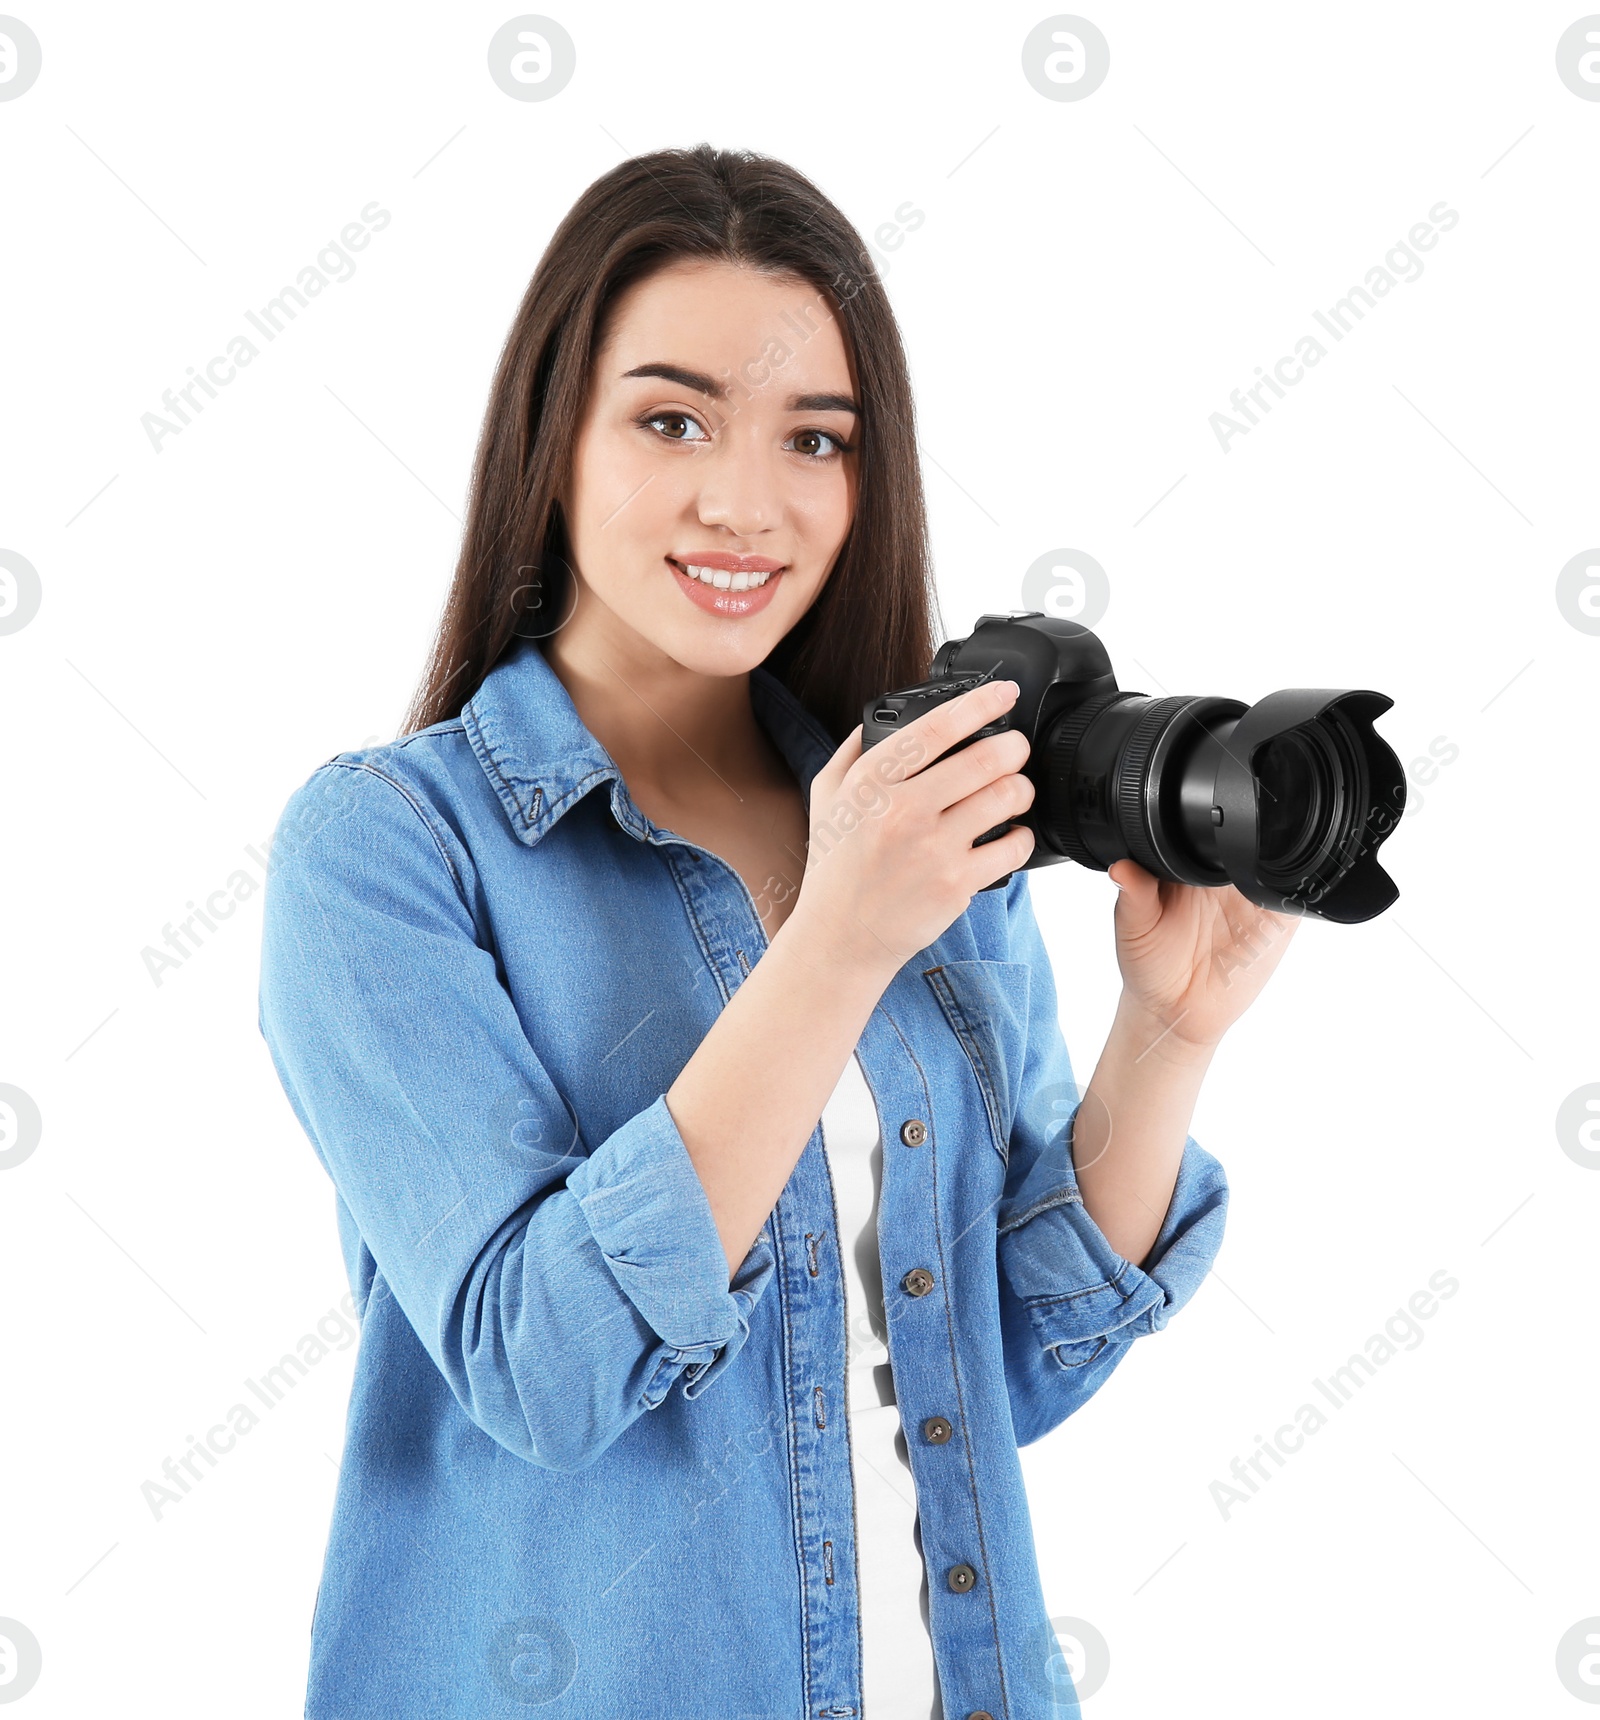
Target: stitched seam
792	1431
821	1135
416	807
1121	1333
486	752
855	1528
1113	1283
1040	1306
695	926
1099	1343
957	1017
666	1363
955	1369
1070	1296
1062	1197
941	980
456	728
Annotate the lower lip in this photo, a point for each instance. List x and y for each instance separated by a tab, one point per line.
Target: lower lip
732	604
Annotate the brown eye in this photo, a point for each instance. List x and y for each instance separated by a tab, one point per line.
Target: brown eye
681	419
835	445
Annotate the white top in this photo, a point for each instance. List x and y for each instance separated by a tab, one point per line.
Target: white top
898	1676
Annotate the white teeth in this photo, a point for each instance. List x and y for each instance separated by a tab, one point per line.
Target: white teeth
728	581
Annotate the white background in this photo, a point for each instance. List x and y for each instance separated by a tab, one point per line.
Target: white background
1090	282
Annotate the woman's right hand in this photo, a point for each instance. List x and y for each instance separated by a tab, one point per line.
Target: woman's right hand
890	864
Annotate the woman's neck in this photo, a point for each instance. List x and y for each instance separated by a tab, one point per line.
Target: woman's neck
674	733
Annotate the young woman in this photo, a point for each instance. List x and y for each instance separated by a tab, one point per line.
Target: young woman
699	1122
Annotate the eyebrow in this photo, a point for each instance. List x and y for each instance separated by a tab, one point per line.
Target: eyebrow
714	390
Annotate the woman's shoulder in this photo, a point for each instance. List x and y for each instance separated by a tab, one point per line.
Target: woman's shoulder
428	762
386	795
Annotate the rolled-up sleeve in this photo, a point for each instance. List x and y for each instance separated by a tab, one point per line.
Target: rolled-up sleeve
648	1214
560	1292
1070	1304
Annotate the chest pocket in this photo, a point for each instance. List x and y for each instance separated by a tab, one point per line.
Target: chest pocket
986	1004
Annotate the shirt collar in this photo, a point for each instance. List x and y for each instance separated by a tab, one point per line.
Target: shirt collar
541	759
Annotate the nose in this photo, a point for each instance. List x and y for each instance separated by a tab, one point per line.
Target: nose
739	490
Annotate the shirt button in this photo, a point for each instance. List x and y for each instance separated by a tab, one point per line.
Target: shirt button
918	1281
962	1578
936	1430
980	1714
914	1132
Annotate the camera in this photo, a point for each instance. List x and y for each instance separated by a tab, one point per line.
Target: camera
1287	799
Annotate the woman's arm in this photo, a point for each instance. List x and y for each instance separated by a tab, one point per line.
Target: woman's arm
1128	1134
1071	1305
562	1287
749	1098
1192	961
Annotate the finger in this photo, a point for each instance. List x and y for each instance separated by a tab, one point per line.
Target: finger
1008	853
1138	897
827	780
936	731
1128	875
962	774
997	802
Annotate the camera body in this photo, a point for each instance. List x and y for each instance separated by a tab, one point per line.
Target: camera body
1058	666
1287	799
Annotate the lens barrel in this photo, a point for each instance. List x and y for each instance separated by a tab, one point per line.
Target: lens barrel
1286	799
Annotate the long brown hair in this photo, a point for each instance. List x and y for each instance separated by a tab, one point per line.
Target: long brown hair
872	626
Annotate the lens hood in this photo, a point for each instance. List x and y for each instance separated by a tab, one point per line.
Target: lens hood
1306	791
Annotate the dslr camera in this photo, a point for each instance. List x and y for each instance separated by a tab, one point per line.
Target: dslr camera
1287	799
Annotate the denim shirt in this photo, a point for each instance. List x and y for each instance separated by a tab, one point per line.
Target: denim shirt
583	1470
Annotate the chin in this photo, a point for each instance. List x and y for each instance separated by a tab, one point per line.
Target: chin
717	649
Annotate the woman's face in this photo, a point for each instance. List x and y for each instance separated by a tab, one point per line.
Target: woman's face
720	435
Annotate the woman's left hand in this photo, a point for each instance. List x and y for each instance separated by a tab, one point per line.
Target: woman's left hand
1193	957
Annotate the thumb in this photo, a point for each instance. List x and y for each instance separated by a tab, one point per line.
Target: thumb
1138	897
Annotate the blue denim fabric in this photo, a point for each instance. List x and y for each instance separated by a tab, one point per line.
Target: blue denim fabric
583	1472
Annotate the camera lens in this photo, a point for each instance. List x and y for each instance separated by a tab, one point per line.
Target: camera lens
1298	794
1287	799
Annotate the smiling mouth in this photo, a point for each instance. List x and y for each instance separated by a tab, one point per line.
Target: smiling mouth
720	579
